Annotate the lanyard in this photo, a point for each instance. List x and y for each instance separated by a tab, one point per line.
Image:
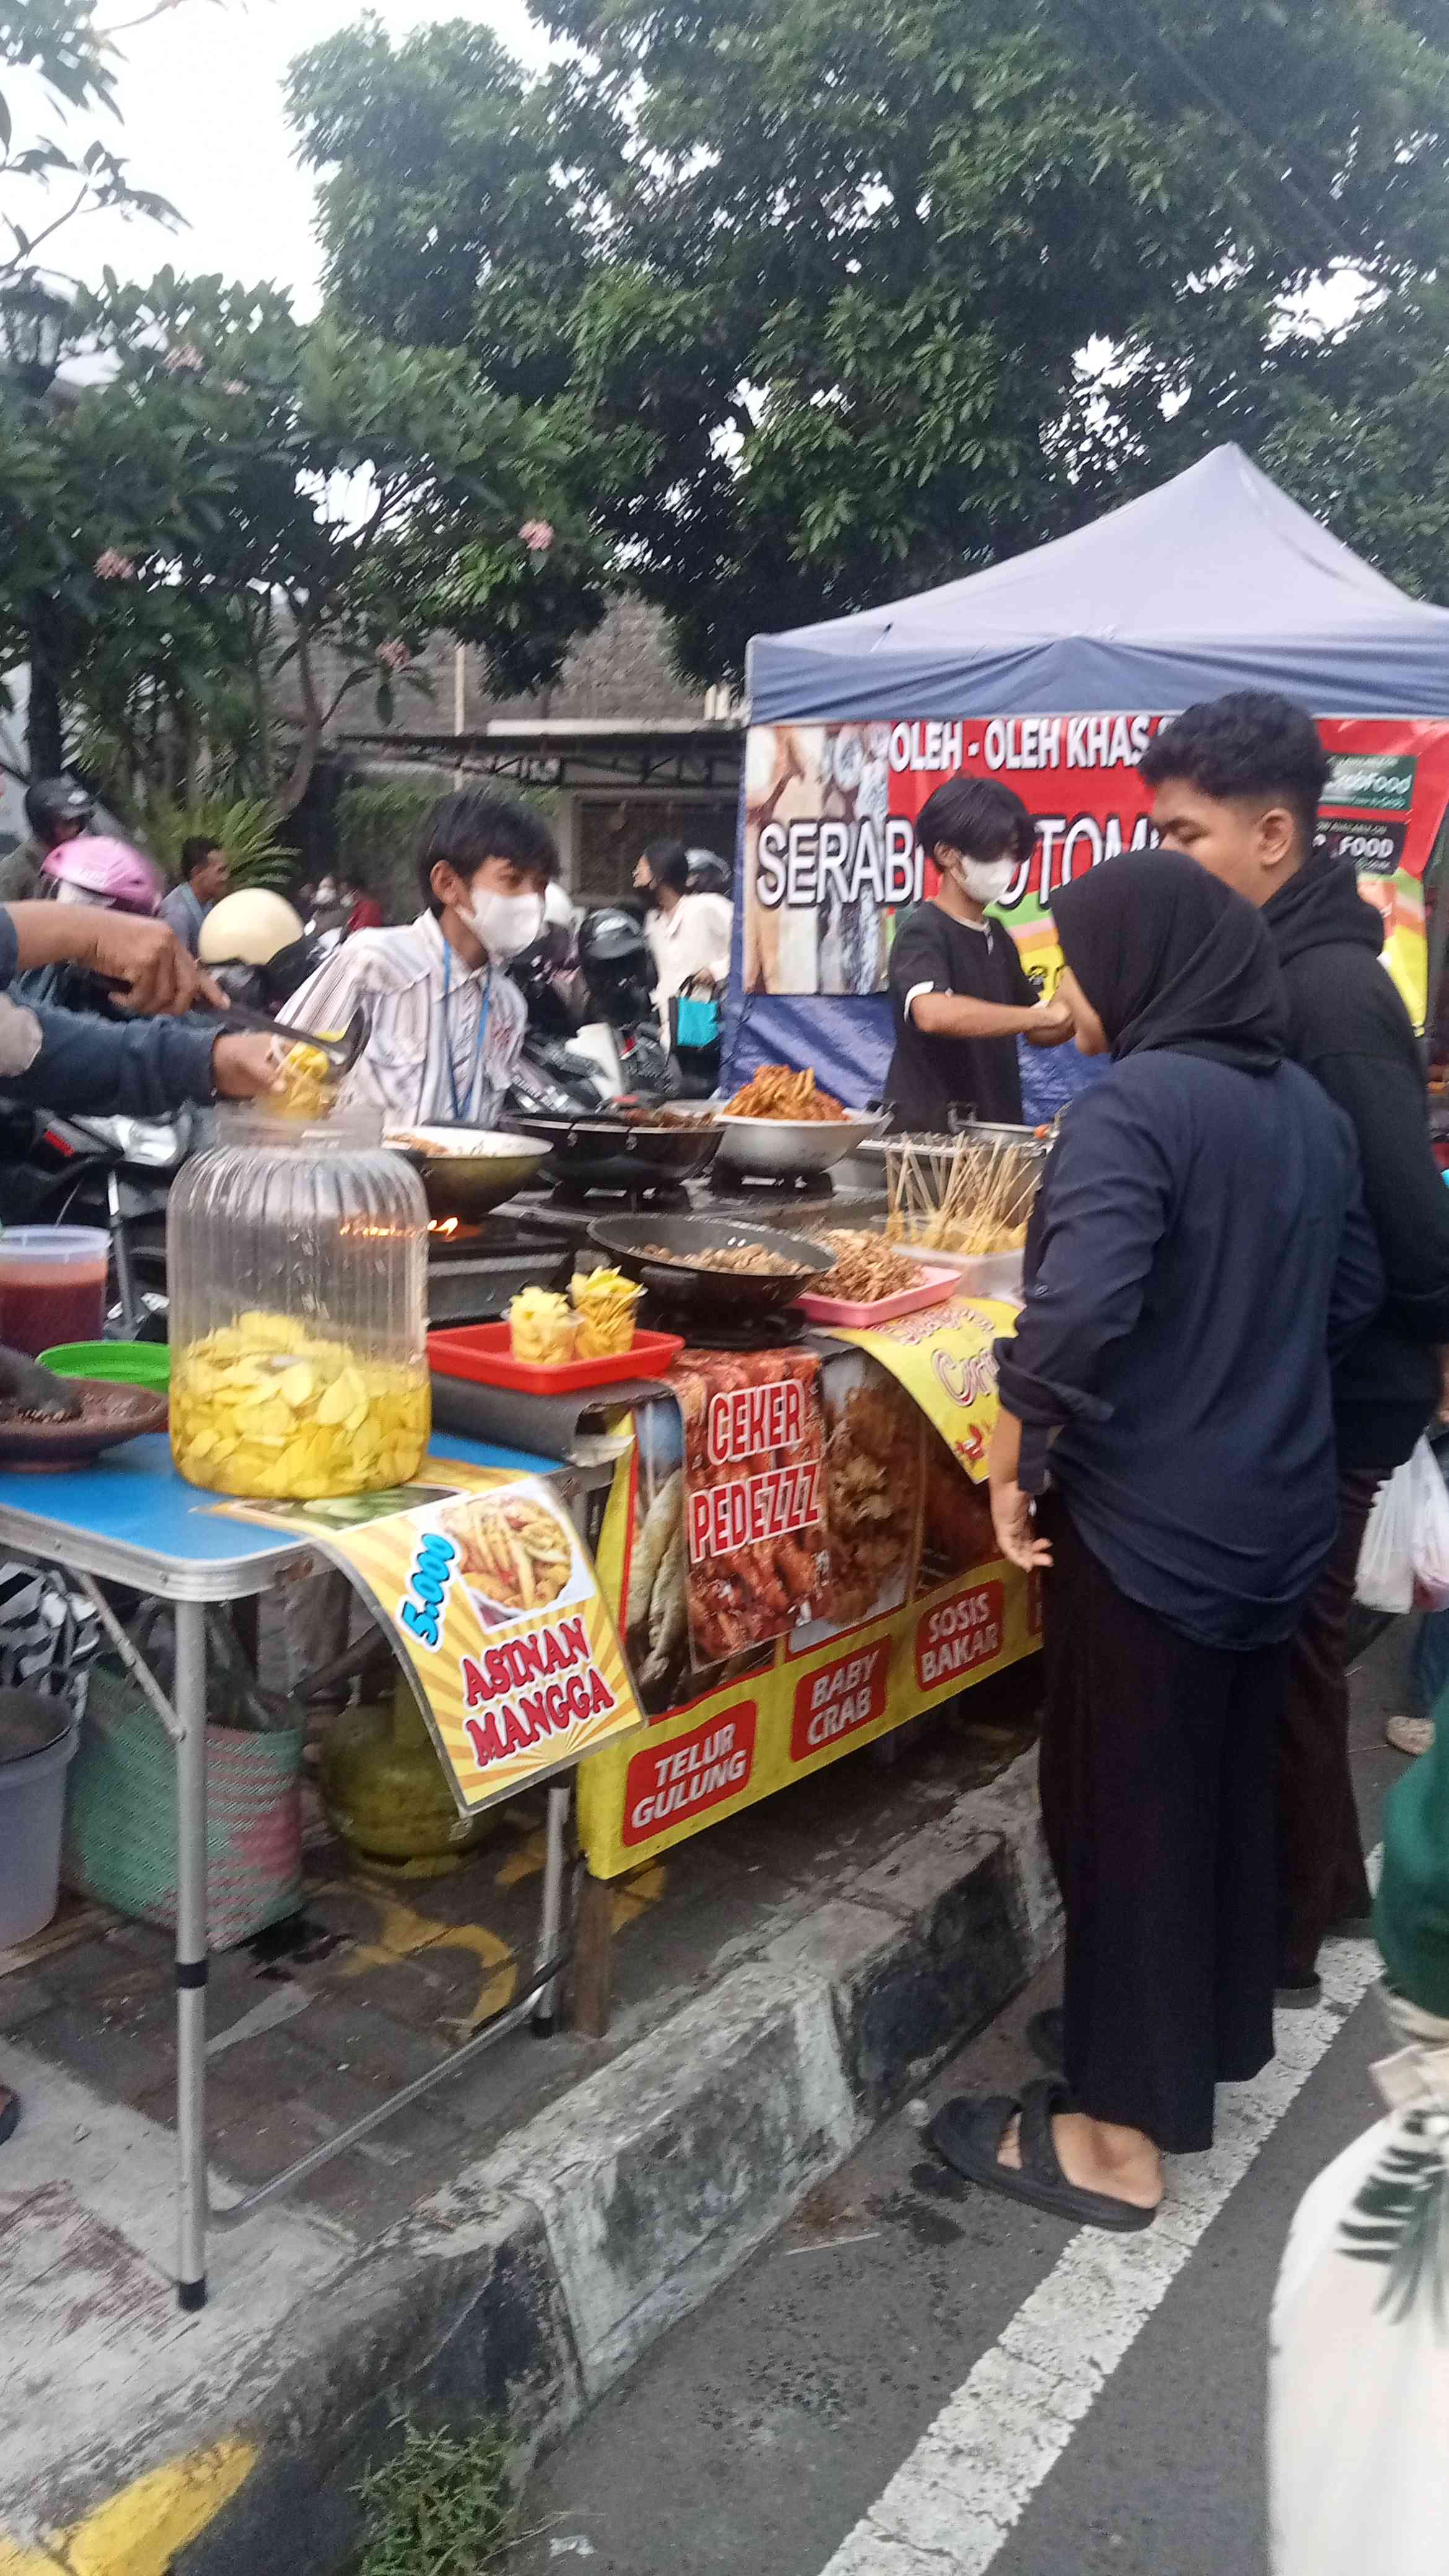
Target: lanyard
479	1035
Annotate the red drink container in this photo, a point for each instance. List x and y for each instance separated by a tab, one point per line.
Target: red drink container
52	1285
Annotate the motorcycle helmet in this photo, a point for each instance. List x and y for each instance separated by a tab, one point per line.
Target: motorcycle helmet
98	869
251	926
710	874
54	805
610	936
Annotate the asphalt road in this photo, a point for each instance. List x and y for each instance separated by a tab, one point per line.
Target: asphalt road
1101	2419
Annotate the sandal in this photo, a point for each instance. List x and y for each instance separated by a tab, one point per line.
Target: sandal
9	2113
967	2134
1046	2038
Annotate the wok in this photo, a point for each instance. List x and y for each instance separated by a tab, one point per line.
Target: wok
613	1153
467	1184
686	1289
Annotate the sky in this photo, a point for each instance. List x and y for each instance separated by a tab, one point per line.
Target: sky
200	96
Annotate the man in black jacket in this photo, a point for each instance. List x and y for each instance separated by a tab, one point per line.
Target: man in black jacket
1238	784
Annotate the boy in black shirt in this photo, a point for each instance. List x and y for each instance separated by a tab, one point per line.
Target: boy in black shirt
960	995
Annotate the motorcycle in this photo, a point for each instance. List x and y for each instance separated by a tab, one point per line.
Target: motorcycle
570	1063
114	1173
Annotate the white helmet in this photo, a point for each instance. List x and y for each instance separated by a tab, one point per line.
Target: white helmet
247	928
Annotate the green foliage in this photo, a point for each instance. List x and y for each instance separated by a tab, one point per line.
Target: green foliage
68	50
823	301
245	827
440	2507
377	825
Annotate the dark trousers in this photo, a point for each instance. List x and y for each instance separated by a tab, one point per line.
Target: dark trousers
1320	1855
1157	1792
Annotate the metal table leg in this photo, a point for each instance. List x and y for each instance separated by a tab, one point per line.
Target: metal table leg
555	1860
190	1702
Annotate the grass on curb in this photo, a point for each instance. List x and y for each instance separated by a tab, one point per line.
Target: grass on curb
442	2506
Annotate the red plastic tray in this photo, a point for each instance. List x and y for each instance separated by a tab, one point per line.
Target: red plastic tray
483	1353
936	1286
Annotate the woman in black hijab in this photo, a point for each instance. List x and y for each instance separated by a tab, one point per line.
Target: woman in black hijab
1197	1252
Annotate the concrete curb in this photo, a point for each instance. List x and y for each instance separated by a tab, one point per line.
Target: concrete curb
546	2269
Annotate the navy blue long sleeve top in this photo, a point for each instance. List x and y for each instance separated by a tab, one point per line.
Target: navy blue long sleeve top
139	1068
1199	1256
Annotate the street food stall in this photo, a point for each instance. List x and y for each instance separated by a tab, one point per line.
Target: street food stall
1051	673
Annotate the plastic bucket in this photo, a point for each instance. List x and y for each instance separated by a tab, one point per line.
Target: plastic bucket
32	1809
119	1363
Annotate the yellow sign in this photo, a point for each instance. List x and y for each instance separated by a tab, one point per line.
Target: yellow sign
495	1609
942	1356
799	1712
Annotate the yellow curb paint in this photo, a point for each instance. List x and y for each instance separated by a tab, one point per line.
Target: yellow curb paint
18	2561
140	2530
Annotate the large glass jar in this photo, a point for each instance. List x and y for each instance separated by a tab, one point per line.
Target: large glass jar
297	1268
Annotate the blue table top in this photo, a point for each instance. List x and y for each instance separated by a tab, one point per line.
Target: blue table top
131	1504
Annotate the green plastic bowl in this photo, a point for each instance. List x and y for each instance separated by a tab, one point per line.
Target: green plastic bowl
121	1363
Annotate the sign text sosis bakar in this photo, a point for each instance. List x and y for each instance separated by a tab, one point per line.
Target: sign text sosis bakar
742	1510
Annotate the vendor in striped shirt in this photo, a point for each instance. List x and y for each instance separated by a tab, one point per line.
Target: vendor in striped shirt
447	1020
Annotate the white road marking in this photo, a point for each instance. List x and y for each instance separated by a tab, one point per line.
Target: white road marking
951	2505
828	2244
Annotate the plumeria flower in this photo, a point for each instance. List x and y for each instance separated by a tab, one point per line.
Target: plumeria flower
537	535
184	360
111	565
395	655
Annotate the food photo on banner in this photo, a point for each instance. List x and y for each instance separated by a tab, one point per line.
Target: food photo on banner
904	1600
1052	673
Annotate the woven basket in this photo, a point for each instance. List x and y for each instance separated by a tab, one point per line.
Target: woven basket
120	1819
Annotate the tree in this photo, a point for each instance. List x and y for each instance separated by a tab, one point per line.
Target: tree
249	509
838	301
72	53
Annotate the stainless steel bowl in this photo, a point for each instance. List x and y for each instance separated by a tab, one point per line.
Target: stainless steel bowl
774	1145
457	1182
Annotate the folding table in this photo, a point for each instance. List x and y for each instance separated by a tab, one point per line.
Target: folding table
129	1518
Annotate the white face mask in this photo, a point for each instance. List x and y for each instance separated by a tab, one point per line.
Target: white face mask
507	923
984	880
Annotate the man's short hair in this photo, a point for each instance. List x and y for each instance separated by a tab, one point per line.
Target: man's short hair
1250	743
980	818
478	824
195	852
668	864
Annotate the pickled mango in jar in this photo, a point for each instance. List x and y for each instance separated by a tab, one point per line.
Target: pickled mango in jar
265	1409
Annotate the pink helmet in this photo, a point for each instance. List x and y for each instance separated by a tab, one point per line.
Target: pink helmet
108	871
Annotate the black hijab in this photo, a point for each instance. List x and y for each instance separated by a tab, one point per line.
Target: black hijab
1167	957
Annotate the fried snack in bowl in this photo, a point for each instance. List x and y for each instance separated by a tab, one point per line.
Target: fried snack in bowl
264	1409
511	1549
776	1092
542	1328
606	1302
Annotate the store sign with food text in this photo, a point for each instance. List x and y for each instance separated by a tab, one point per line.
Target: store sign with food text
754	1499
494	1607
830	831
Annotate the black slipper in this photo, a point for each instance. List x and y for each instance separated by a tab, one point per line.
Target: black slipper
1046	2038
968	2132
9	2113
1299	1994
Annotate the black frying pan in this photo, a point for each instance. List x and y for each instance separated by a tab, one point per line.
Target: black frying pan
685	1288
613	1153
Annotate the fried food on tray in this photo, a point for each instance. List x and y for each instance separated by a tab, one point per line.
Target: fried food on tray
752	1258
542	1328
511	1549
866	1268
605	1301
776	1092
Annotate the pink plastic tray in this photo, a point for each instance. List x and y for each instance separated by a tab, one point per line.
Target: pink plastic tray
936	1286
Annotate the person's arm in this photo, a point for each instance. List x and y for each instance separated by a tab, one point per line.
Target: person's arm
1109	1192
1051	1022
136	1069
1404	1191
143	958
1357	1294
920	976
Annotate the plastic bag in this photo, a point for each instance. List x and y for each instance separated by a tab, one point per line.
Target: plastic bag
1385	1579
1404	1559
1431	1531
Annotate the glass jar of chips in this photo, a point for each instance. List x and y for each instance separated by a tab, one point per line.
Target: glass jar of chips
297	1268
